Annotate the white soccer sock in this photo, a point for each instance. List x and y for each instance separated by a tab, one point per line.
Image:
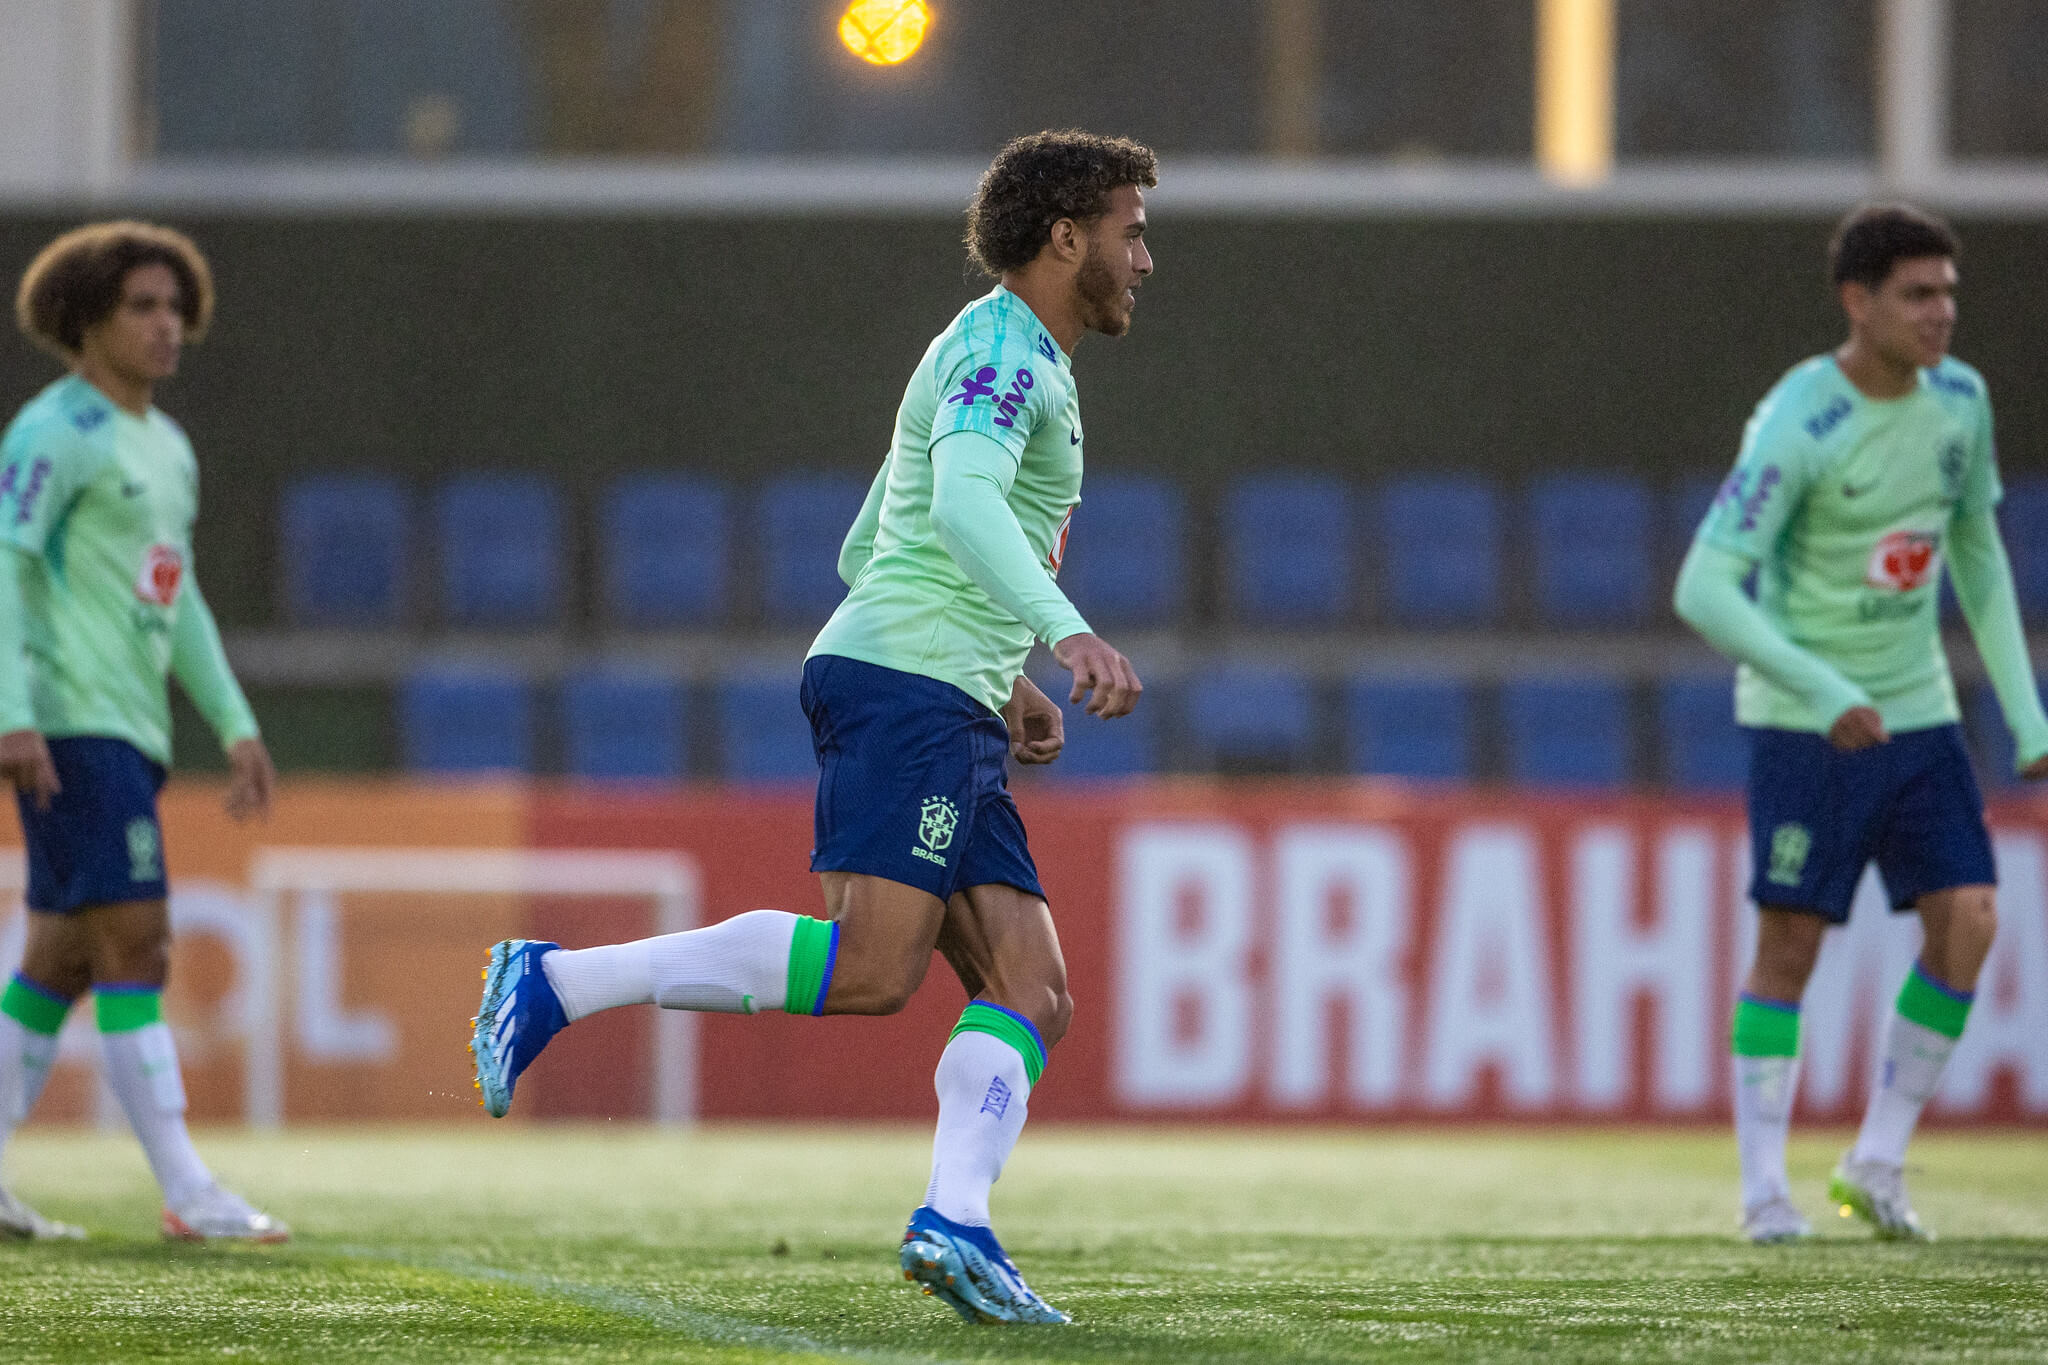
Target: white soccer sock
142	1067
1913	1058
737	966
983	1090
1764	1087
25	1061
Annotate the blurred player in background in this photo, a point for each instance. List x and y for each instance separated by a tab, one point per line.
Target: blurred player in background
915	691
1859	474
98	491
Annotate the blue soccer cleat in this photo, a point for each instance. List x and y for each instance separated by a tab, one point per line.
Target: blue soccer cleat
965	1268
520	1012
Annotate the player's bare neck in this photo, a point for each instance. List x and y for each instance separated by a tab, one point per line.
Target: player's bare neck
1052	300
126	392
1875	375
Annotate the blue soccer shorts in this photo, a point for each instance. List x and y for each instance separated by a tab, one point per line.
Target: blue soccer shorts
911	782
100	841
1818	816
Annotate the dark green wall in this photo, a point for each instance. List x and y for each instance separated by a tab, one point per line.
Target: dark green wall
744	347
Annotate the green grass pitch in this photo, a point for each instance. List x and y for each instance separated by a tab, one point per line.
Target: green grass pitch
615	1243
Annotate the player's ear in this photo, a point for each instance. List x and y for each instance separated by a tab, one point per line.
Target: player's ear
1855	298
1066	240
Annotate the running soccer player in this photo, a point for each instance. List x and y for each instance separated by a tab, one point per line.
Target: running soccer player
1859	473
98	602
915	689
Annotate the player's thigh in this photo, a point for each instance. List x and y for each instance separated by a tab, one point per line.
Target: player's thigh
1934	839
1815	817
1001	941
902	760
887	930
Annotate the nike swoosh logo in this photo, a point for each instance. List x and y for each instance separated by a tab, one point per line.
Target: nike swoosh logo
1073	436
1852	491
133	490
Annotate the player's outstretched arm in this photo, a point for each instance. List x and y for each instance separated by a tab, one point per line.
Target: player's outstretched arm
1709	598
1984	588
1038	730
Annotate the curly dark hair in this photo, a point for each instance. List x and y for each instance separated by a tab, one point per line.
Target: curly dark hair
1875	237
75	282
1041	178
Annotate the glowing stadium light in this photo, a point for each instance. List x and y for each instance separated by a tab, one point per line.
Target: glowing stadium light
884	32
1575	90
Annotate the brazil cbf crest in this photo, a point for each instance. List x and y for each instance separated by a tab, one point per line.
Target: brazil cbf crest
936	823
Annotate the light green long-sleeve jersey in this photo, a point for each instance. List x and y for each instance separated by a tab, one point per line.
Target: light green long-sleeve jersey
1847	507
98	602
953	559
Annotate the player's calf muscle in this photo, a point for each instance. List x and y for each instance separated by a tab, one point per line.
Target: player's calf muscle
1959	926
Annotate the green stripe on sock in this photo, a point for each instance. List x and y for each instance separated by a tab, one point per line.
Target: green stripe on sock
1763	1030
1930	1005
984	1018
126	1011
810	959
33	1010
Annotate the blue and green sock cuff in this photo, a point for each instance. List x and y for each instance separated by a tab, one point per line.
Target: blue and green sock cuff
813	952
1765	1027
1932	1003
34	1006
1011	1027
123	1007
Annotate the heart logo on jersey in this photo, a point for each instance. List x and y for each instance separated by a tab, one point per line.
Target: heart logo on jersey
1902	561
163	570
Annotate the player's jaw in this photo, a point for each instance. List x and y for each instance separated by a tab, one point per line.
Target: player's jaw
1106	295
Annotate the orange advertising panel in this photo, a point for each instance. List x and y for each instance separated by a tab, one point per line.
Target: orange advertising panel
1276	951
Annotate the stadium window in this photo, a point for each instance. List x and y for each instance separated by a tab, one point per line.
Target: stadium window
1703	78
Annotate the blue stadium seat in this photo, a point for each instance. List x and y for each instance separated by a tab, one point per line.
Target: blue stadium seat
1251	720
2023	518
1704	750
1591	536
762	733
342	542
1569	732
459	720
620	724
1126	562
1990	737
501	549
1442	540
1125	747
667	543
1420	728
1686	504
1287	550
1685	507
804	519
